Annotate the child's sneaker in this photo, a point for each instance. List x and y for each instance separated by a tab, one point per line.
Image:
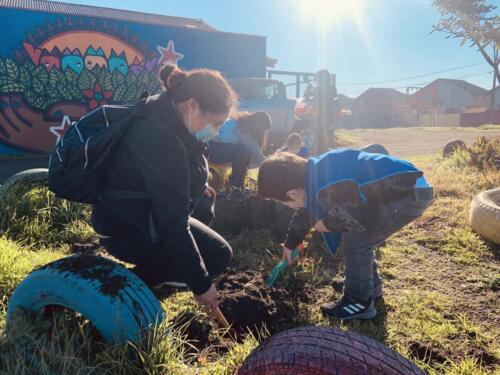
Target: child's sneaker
348	309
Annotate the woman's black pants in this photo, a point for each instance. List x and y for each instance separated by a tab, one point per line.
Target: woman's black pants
154	264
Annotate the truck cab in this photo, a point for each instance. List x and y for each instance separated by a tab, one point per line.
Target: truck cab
269	95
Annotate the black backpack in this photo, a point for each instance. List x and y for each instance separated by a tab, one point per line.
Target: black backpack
80	158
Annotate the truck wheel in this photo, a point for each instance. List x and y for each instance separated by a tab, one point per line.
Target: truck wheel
375	148
484	215
19	184
112	298
324	351
452	146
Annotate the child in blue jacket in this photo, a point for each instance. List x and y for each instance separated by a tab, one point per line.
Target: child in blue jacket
295	145
356	200
239	141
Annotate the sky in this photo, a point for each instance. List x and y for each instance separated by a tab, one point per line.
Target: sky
366	43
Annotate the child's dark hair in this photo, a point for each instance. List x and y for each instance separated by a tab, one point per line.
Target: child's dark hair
280	173
294	140
255	125
208	87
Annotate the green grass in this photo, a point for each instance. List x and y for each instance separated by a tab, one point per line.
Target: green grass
440	307
40	219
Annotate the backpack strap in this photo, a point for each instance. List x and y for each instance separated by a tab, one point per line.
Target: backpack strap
152	228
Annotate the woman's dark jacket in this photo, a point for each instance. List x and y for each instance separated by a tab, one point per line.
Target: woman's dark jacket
158	155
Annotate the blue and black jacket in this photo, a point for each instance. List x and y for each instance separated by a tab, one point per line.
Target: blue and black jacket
344	187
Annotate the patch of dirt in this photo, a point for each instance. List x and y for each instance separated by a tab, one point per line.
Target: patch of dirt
425	352
249	304
196	331
484	357
87	248
92	268
451	279
424	141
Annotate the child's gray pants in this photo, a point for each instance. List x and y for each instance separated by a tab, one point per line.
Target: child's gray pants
361	274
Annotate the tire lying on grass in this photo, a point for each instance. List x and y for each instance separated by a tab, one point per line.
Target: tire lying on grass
21	183
452	146
113	299
484	214
324	350
375	148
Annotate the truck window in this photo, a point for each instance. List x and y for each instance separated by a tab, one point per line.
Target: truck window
255	90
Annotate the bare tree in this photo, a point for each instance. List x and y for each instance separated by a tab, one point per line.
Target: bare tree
473	21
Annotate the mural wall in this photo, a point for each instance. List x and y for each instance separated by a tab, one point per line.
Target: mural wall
54	68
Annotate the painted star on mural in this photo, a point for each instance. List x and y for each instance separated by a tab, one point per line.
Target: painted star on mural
168	54
59	130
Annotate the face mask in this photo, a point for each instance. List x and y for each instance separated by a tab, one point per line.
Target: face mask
206	134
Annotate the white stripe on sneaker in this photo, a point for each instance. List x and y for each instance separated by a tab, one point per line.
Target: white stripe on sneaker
346	308
360	306
353	307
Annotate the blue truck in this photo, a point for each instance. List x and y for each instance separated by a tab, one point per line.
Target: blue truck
267	94
58	61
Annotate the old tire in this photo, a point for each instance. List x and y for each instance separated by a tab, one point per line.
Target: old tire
375	148
324	350
21	183
112	298
484	214
452	146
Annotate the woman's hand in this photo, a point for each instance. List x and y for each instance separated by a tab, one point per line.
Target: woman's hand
209	300
320	226
210	192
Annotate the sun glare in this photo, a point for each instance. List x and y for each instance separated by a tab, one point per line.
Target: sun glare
330	12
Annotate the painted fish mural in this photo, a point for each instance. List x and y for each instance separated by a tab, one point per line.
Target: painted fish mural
58	79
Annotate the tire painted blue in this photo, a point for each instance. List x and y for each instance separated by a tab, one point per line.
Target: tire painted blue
375	148
114	299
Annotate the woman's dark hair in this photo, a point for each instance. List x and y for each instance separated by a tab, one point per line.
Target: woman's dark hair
255	125
208	87
281	173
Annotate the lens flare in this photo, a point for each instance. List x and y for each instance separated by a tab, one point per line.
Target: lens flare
327	13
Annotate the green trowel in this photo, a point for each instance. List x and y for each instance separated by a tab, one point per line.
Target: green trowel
282	265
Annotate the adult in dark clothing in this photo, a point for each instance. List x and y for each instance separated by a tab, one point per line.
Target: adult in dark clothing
159	155
324	108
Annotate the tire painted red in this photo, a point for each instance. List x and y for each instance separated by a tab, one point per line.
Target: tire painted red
324	351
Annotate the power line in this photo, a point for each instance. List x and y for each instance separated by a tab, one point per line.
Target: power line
412	77
421	84
459	78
